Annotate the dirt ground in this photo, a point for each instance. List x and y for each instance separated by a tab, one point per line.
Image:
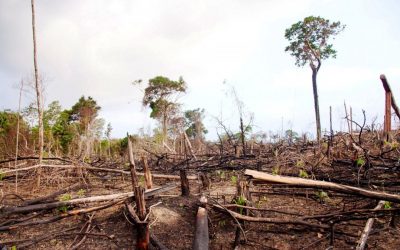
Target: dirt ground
173	221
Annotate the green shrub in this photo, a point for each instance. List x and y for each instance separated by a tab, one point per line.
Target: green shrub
303	174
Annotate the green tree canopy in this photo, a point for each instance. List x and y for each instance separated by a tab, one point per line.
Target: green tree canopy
84	111
159	94
194	123
63	130
309	40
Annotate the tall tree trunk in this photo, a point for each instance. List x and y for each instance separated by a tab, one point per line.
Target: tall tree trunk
242	136
38	94
316	103
17	135
164	127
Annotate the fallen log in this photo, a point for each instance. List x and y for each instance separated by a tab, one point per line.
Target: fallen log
367	229
296	181
165	176
37	207
201	237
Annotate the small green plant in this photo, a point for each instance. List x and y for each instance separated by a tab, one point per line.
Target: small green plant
127	166
387	205
275	170
64	197
222	223
14	248
233	179
220	174
240	200
360	162
300	164
261	201
303	174
141	180
81	192
322	196
2	175
392	145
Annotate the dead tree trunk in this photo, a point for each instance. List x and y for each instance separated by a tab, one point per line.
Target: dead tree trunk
242	136
367	229
38	94
17	136
147	174
189	145
201	237
389	103
143	234
184	183
323	185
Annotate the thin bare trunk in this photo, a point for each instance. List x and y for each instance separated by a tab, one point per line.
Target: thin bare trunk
38	93
316	103
17	136
242	136
164	127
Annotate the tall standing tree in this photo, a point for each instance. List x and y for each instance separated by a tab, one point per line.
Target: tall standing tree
194	126
108	136
85	111
159	94
38	93
309	44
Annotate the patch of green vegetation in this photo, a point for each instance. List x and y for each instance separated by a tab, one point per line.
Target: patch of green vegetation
261	201
387	205
360	162
127	166
222	223
234	179
322	196
303	174
2	175
240	200
64	197
81	192
141	181
275	170
220	174
300	164
392	145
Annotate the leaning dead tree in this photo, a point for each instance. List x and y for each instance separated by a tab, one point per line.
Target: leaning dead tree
38	93
389	103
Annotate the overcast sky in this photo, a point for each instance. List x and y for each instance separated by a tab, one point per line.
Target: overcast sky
98	47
